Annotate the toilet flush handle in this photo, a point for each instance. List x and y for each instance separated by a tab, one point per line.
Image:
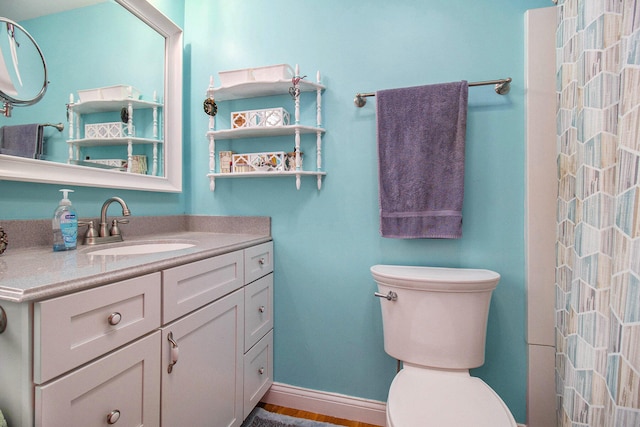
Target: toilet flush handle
391	296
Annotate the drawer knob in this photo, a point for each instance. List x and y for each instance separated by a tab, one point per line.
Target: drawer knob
261	309
262	261
113	417
115	318
261	371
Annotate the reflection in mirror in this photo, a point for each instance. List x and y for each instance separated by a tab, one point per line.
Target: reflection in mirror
115	84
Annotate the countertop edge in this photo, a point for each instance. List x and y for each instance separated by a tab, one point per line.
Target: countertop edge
92	281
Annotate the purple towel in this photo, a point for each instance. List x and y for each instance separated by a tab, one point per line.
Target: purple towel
21	140
421	138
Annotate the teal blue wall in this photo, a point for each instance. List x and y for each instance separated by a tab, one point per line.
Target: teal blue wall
328	325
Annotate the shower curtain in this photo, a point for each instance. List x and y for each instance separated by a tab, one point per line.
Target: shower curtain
598	212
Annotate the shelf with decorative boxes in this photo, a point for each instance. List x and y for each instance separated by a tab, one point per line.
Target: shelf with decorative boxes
123	100
268	122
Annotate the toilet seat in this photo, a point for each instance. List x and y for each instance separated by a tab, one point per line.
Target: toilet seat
422	397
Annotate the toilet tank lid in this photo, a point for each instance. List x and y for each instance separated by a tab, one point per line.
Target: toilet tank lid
436	278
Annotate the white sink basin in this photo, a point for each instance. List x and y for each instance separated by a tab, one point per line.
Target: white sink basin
141	249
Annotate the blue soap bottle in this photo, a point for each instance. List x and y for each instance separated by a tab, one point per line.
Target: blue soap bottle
65	224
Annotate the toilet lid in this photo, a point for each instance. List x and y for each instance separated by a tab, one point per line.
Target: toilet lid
424	398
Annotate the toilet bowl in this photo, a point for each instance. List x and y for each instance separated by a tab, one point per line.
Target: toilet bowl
435	321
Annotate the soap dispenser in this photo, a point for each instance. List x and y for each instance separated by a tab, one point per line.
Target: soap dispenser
65	224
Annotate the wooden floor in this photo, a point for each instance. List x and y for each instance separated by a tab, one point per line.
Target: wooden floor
311	416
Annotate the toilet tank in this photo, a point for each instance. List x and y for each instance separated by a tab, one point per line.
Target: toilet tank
439	318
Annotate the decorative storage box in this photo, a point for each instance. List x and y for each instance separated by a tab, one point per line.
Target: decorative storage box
260	118
259	162
109	92
106	130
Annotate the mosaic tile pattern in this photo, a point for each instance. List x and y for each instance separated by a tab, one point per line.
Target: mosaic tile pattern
598	247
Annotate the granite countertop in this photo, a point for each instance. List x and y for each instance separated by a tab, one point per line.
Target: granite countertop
34	273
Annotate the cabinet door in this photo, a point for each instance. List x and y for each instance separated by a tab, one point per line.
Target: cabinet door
258	372
258	310
76	328
123	386
203	388
188	287
258	261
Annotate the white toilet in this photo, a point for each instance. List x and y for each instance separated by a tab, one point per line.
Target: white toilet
435	322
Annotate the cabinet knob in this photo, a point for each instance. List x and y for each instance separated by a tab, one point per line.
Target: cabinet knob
261	371
115	318
113	417
262	261
261	309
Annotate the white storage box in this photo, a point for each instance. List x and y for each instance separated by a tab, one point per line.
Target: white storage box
109	93
269	73
259	162
273	73
260	118
107	130
235	77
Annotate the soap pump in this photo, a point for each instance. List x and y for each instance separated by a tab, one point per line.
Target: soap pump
65	224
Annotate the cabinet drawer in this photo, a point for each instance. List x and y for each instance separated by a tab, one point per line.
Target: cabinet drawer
258	261
189	287
258	372
74	329
126	381
258	310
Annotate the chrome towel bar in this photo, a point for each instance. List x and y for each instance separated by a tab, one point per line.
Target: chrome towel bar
502	87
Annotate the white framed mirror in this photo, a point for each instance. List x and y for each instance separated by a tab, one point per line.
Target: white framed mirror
170	179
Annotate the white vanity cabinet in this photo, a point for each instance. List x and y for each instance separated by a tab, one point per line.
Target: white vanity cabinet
187	346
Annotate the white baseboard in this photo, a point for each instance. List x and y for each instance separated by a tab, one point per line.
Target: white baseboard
331	404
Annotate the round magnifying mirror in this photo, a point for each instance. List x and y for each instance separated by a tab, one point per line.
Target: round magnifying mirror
23	70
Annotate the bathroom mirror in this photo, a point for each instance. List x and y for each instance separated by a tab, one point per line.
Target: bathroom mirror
20	56
169	120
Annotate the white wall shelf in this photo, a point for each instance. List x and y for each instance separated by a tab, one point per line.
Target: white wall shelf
105	142
260	89
263	132
255	89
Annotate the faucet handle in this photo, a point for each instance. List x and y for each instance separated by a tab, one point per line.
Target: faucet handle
115	230
91	232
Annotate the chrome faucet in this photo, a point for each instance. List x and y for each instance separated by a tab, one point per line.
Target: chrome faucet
104	236
103	216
